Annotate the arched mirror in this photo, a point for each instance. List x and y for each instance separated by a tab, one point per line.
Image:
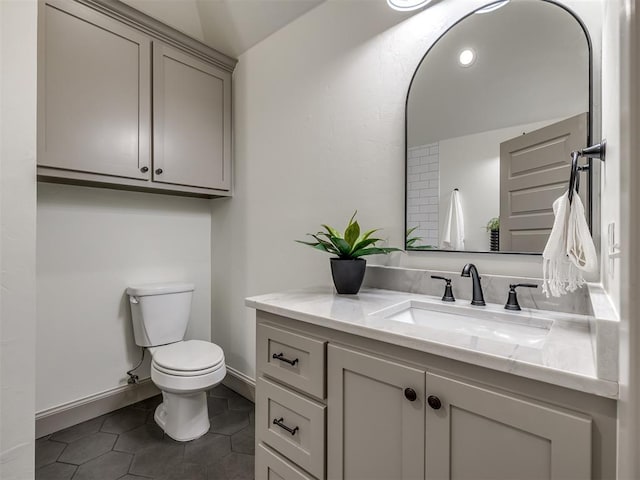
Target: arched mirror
493	112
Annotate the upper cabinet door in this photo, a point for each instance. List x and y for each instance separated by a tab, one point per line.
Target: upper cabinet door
94	93
191	120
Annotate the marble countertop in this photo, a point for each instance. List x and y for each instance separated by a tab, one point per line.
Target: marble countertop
565	358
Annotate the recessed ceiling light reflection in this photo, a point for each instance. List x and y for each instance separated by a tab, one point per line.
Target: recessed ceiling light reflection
407	5
467	57
492	7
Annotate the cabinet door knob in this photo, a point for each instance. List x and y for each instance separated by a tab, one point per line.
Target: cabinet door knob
434	402
410	394
144	169
158	171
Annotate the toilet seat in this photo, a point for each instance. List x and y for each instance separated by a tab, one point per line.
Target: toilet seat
187	366
186	373
188	359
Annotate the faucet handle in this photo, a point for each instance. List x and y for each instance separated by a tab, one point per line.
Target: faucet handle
448	292
512	301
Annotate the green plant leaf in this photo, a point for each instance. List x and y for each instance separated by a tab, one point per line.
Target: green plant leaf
350	245
374	251
344	249
352	233
366	235
323	247
411	230
493	224
411	241
312	244
332	231
364	243
328	246
352	217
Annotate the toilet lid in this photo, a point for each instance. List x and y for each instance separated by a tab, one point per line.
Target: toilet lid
188	356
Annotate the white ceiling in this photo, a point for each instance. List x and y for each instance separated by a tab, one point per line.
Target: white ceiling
229	26
532	65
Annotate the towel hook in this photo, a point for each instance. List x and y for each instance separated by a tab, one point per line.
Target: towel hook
594	151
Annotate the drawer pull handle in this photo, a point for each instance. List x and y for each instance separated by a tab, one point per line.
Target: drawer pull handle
281	357
278	422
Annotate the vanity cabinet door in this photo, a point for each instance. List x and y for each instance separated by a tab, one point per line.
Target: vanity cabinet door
478	433
191	121
374	431
94	93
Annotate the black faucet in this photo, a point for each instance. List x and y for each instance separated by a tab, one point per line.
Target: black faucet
512	301
471	270
448	292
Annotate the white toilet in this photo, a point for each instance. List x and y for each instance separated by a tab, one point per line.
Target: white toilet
182	369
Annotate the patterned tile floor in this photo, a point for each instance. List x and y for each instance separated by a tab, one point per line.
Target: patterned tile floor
127	444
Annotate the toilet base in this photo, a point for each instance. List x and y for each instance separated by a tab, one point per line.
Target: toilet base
183	417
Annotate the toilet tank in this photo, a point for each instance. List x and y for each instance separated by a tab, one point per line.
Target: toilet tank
160	312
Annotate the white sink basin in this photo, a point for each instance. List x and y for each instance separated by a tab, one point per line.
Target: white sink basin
518	328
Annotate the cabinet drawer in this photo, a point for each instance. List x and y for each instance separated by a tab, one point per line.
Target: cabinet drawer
271	466
292	358
291	424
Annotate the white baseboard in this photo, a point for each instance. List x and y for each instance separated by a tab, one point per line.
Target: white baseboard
69	414
240	383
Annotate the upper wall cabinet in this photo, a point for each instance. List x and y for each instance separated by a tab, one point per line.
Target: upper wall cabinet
98	94
191	133
94	103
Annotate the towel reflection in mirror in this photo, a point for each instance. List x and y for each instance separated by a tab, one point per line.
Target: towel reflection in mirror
453	230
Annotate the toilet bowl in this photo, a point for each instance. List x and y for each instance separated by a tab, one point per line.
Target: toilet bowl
182	369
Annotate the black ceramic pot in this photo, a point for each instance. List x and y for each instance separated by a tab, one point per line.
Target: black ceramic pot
348	274
494	241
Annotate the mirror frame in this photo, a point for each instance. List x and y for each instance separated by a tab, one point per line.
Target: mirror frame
590	162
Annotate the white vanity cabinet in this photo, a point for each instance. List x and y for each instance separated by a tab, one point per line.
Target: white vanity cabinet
396	413
126	102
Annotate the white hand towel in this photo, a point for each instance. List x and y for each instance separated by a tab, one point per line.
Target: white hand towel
569	250
453	233
580	247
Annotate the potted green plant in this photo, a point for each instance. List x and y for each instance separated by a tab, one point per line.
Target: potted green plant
348	267
493	227
410	241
